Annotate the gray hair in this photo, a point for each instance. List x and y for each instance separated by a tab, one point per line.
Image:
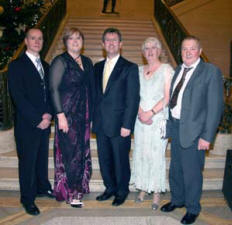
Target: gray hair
163	57
152	40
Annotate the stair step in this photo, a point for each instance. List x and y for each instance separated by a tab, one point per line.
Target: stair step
10	160
107	21
213	179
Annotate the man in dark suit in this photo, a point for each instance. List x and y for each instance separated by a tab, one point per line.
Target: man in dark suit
196	106
29	91
116	107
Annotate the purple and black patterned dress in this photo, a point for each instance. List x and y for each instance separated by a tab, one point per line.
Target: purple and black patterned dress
71	93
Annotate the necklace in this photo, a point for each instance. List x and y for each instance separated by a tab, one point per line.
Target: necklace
79	62
152	70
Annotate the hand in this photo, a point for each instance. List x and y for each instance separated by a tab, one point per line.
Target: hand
62	122
203	144
47	116
145	116
44	124
125	132
149	122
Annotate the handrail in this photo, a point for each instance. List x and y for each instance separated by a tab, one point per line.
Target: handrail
49	24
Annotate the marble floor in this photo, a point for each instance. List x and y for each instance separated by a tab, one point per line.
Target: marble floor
214	211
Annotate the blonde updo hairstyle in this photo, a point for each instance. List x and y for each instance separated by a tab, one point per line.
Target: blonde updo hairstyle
157	44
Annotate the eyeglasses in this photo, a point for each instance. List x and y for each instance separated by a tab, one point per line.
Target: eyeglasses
111	40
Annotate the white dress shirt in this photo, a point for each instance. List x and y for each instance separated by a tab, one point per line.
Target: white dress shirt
176	111
33	59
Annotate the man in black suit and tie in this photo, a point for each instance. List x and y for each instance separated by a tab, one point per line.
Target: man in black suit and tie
196	106
116	107
29	91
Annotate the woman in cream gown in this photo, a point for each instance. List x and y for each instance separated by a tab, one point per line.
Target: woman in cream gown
148	164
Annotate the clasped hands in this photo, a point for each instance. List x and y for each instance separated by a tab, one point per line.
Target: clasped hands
145	117
45	123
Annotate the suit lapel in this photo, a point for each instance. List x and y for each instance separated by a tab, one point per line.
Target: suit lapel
100	77
32	66
195	74
115	73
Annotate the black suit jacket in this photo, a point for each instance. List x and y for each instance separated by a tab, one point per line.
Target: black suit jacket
26	89
118	106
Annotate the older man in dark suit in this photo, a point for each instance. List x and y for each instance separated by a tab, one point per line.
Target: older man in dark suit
117	101
196	106
28	87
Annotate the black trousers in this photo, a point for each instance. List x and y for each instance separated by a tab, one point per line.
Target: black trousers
113	153
185	175
32	153
106	3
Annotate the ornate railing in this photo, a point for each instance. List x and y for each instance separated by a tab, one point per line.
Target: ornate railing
49	24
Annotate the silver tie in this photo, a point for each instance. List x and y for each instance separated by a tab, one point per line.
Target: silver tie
41	73
40	68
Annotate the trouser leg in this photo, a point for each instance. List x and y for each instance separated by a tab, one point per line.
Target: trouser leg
193	164
106	162
105	3
121	149
43	183
176	179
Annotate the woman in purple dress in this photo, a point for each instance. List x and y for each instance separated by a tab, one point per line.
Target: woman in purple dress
72	87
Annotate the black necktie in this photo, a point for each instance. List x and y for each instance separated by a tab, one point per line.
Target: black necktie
175	94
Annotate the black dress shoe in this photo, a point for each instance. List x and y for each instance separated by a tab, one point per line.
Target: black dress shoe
169	207
104	196
48	194
189	218
31	209
119	200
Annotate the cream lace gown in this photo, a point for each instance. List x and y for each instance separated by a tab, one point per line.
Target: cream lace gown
148	163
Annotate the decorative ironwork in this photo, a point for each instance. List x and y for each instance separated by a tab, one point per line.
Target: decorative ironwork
49	24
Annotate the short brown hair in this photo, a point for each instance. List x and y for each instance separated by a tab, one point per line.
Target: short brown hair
192	37
69	32
112	30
